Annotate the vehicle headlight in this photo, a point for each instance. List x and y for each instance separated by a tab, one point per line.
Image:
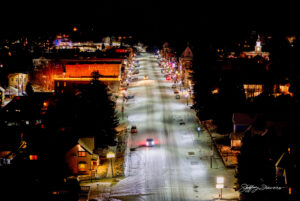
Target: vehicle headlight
147	143
152	143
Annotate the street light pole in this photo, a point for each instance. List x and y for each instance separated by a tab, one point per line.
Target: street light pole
112	170
110	155
220	184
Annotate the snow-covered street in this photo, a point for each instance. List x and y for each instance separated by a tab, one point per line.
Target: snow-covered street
172	169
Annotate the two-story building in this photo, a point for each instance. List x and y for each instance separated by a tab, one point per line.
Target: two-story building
81	159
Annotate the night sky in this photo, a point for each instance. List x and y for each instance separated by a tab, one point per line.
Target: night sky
151	19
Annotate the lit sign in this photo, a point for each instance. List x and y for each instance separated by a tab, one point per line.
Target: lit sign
121	50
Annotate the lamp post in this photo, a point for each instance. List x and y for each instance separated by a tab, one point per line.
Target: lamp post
110	155
123	111
187	98
220	185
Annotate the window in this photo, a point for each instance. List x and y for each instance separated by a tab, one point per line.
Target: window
82	166
81	153
33	157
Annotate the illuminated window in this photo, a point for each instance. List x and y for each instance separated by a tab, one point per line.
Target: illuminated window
33	157
236	143
58	84
45	104
82	154
253	90
82	166
65	84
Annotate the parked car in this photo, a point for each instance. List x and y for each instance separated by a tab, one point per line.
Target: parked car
176	91
134	79
177	96
145	77
150	142
130	96
168	78
133	129
174	86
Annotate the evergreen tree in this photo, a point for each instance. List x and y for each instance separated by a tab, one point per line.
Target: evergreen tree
97	116
29	89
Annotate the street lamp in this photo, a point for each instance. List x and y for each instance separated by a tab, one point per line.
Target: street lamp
220	185
110	155
198	129
187	98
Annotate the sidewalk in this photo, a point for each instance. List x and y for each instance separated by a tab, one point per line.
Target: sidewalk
222	143
101	189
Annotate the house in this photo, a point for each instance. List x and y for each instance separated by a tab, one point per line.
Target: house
18	81
81	159
286	172
11	144
185	65
2	96
25	110
241	121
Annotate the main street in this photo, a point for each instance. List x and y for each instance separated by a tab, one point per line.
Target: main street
172	169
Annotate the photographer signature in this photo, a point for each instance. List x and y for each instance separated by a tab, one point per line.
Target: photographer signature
252	188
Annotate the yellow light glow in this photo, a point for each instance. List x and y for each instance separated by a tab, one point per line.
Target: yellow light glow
110	155
215	91
236	143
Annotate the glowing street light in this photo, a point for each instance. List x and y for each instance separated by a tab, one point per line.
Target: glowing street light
198	129
220	184
110	155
